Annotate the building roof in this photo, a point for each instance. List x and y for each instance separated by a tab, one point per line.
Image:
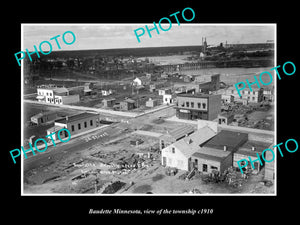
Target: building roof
181	131
246	88
208	157
108	99
75	117
230	139
259	147
197	95
41	97
41	114
191	144
129	100
60	90
226	114
54	129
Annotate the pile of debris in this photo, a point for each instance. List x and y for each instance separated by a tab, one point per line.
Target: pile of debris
193	191
171	171
111	187
231	176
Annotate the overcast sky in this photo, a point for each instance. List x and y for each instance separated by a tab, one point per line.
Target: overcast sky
106	36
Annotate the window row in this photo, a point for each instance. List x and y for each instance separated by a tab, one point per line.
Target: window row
79	125
243	92
51	100
193	105
47	93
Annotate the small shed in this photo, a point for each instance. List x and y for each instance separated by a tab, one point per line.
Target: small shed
109	102
225	118
151	103
127	104
43	117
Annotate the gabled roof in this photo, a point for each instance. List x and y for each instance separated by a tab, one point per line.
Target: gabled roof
41	114
191	144
181	131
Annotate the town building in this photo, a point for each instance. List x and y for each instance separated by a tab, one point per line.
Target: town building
164	91
168	99
87	89
152	103
254	96
152	87
141	81
55	95
269	167
186	88
179	153
75	124
250	149
217	153
109	102
175	135
127	104
225	118
227	98
268	93
106	92
43	117
198	106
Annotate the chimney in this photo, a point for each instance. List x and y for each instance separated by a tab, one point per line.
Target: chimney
225	148
253	148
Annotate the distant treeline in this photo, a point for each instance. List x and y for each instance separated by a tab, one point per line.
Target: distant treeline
148	51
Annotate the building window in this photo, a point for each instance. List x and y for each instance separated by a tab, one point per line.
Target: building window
85	124
47	93
50	94
199	105
173	150
192	104
79	126
254	92
91	122
253	98
214	167
204	167
203	105
187	104
72	128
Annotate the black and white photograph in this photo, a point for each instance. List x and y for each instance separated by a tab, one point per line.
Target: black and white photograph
178	115
133	111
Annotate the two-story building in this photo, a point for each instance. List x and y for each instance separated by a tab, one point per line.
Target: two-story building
55	95
254	96
198	106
